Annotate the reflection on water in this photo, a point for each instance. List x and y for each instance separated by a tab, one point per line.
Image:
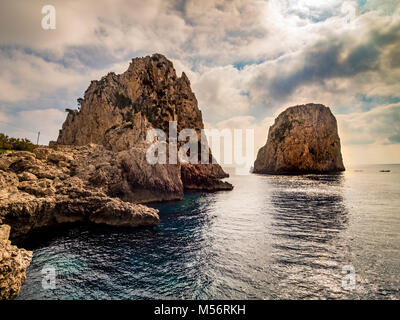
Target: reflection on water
272	237
309	209
308	219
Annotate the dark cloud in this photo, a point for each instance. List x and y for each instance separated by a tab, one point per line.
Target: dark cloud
332	58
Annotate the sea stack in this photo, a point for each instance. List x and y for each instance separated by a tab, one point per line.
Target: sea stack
117	111
303	139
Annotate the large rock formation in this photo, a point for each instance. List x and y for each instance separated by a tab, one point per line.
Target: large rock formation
303	139
65	185
117	112
13	264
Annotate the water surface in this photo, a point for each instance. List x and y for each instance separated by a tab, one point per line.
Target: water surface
272	237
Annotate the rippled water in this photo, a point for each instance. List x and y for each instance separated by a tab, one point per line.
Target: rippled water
272	237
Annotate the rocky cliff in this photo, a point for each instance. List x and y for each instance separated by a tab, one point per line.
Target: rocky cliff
150	86
13	264
303	139
117	112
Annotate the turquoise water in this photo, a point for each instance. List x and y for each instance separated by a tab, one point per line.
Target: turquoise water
272	237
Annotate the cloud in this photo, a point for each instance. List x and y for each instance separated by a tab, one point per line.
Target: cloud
380	125
220	92
247	60
260	127
30	81
339	64
26	124
27	77
358	154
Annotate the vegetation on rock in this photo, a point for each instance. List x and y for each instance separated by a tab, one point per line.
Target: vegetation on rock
122	101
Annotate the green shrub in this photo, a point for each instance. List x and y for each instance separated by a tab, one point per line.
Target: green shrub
9	143
297	121
279	132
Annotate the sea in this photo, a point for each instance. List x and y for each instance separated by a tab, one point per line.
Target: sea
272	237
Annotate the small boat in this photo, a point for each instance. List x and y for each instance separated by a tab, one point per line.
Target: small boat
384	171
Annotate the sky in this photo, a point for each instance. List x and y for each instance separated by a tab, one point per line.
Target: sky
247	61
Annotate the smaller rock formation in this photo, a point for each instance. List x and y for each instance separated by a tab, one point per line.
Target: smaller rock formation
13	264
303	139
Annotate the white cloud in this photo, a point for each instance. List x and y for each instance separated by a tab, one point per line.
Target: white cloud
260	127
355	155
28	77
380	125
221	92
26	124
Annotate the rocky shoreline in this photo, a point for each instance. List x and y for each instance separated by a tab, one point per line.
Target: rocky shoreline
97	171
47	187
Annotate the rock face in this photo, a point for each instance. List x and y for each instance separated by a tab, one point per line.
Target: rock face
150	86
117	112
13	264
303	139
68	184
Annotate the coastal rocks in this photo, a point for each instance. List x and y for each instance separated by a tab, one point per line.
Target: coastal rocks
117	112
71	192
143	182
203	177
13	264
126	174
303	139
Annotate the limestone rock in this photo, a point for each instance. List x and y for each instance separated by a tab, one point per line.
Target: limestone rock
118	110
205	176
303	139
13	264
150	86
97	171
27	176
88	191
